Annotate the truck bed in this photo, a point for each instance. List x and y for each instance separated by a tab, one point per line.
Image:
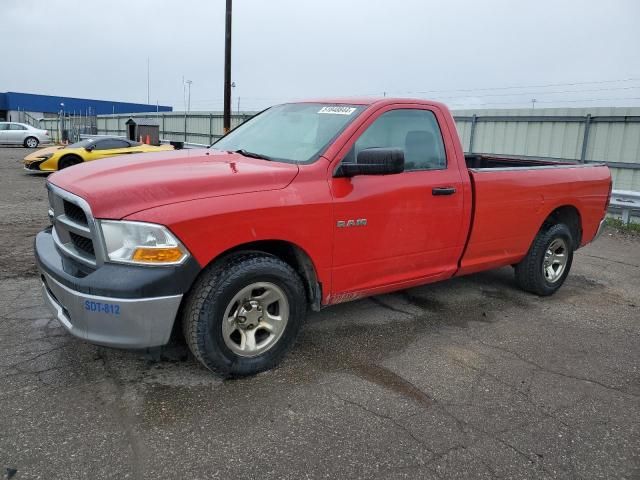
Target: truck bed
512	197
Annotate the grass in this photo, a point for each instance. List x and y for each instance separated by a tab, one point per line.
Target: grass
618	225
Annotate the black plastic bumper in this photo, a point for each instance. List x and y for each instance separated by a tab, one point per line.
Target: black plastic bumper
33	166
113	280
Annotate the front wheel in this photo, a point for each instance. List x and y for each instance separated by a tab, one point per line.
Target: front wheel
68	161
31	142
547	264
243	316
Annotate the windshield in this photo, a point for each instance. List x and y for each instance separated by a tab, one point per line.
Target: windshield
294	132
80	144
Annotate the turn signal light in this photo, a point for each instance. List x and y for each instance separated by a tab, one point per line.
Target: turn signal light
157	255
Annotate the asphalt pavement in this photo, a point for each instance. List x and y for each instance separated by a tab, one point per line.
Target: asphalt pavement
470	378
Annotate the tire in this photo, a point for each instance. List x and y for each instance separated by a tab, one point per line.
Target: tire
68	161
233	291
31	142
548	262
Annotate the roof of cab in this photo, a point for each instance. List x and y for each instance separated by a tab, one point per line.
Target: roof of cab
370	101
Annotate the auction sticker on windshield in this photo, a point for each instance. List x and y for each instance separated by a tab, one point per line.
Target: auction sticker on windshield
337	110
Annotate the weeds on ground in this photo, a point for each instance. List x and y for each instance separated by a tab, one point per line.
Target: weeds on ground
619	226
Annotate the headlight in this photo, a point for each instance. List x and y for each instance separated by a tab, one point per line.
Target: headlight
141	243
46	156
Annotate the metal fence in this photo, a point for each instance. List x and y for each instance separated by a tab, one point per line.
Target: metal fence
69	127
197	128
609	135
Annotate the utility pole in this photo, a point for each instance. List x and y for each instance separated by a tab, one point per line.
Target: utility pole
61	122
233	87
189	82
184	94
226	120
533	103
188	109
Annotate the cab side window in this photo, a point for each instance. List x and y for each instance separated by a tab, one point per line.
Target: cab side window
416	132
15	126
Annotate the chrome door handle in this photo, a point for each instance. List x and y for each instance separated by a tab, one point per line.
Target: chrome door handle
443	191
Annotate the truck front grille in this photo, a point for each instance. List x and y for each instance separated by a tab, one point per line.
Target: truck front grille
74	228
75	213
83	244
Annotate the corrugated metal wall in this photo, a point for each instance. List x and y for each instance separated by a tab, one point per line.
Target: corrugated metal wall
201	127
613	137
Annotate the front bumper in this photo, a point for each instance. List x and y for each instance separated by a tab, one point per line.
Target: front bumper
114	322
113	305
33	166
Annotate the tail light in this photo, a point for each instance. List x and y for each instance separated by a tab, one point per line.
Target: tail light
46	132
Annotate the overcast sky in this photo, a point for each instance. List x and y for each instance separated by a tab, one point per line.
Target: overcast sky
463	52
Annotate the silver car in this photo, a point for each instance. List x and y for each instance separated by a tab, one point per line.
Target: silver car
13	133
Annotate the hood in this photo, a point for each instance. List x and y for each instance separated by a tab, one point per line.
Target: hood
119	186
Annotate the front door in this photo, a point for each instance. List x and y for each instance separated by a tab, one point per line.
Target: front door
397	229
16	133
3	132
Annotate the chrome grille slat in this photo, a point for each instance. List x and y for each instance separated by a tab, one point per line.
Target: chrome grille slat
74	227
75	231
72	251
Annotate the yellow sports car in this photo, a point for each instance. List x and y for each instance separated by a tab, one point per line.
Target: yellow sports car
56	158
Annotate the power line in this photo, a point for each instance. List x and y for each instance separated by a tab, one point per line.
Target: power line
264	100
543	93
261	100
473	105
219	99
513	87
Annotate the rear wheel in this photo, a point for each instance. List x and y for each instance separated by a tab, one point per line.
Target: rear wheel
31	142
68	161
548	262
243	316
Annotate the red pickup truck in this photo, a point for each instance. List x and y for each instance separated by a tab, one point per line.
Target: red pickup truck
306	205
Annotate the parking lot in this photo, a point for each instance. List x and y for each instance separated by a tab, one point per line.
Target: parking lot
470	378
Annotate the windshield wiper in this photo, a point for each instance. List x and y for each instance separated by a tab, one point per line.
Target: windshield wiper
246	153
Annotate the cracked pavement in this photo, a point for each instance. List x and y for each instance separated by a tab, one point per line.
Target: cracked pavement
470	378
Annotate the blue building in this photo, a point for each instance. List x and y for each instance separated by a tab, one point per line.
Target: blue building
12	104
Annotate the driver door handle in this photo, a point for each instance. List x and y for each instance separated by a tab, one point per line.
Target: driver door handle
443	191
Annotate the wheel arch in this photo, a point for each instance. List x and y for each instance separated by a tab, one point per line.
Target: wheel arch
290	253
69	155
571	217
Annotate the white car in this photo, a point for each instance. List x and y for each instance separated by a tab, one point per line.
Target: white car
12	133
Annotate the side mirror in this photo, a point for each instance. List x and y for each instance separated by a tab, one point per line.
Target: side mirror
374	161
90	148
